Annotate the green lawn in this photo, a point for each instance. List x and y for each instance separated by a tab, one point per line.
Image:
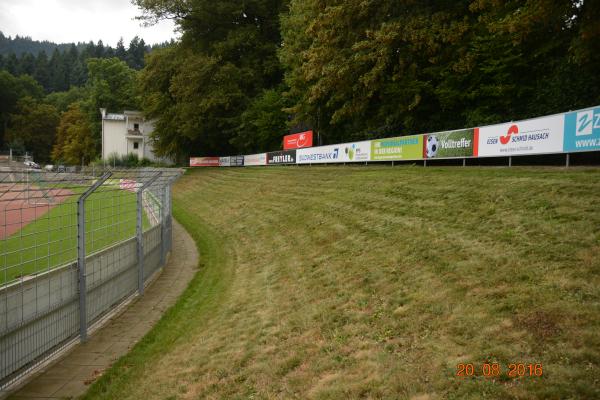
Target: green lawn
51	240
376	282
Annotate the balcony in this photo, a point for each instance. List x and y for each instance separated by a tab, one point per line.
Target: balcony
134	132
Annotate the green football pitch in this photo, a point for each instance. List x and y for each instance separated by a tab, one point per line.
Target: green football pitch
50	240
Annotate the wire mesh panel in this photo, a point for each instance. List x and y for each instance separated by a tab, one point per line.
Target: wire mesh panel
73	246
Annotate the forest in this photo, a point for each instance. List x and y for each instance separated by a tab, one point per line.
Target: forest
243	74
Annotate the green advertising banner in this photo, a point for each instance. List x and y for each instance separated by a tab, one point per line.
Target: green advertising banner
398	148
461	143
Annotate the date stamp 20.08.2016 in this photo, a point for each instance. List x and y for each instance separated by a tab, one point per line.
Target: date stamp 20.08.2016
492	370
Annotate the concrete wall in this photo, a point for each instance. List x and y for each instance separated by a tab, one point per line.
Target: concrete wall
39	315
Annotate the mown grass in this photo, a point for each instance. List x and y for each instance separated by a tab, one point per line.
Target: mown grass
51	239
375	282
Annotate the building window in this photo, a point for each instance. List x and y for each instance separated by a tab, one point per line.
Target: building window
136	145
136	127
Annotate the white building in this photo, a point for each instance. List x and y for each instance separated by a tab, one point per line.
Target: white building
127	133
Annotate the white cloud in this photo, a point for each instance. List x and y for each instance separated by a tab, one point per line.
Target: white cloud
79	21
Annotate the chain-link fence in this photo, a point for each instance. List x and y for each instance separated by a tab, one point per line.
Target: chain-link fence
73	246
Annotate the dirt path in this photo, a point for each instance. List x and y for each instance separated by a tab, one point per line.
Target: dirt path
70	376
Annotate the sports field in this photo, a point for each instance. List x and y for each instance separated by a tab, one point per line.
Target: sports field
379	282
42	235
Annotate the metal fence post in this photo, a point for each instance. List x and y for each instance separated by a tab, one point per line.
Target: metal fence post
169	219
163	226
81	254
140	231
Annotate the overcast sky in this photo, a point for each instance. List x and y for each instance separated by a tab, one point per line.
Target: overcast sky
65	21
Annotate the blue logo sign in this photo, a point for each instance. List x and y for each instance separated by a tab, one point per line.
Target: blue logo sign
582	130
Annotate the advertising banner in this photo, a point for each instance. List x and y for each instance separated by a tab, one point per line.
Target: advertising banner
582	130
224	161
281	157
398	148
204	161
255	159
535	136
345	152
236	161
462	143
298	140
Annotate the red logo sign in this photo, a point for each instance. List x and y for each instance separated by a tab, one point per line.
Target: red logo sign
204	161
513	130
298	140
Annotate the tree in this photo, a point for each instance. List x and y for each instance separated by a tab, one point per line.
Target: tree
62	100
226	58
75	142
120	51
34	125
378	67
135	53
11	90
111	85
40	72
263	123
59	80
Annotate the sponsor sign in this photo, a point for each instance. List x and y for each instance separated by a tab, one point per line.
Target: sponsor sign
281	157
582	130
398	148
345	152
535	136
128	184
298	140
224	161
236	161
204	161
255	159
461	143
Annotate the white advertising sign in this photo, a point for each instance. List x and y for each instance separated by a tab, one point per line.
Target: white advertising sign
535	136
224	162
345	152
255	159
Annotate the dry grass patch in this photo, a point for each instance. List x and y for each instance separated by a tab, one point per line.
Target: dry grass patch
355	282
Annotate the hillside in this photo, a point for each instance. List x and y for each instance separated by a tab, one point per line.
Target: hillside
376	282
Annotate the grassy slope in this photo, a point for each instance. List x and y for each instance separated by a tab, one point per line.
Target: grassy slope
375	282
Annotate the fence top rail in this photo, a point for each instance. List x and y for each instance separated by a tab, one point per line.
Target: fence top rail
16	183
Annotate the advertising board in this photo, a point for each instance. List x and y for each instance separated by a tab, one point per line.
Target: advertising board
582	130
224	161
535	136
236	161
281	157
345	152
397	148
298	140
255	159
462	143
204	161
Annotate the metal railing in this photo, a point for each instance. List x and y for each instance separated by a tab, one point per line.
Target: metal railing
74	246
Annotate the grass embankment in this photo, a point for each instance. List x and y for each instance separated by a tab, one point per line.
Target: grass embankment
51	240
376	282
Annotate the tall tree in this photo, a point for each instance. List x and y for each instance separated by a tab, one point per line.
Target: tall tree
75	142
120	51
12	89
111	85
377	67
34	125
40	72
226	58
59	80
